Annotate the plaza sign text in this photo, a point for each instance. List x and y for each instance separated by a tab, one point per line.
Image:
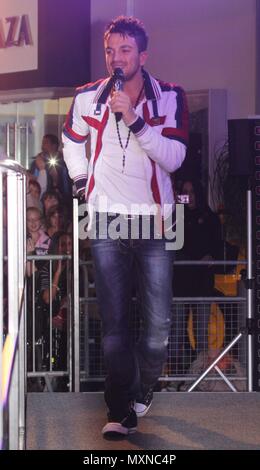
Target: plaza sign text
18	31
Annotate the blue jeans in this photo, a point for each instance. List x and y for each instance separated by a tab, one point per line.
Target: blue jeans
118	263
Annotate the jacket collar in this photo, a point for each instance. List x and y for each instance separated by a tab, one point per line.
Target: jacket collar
151	87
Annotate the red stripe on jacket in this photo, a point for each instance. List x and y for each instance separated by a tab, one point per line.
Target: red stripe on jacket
174	132
80	138
100	126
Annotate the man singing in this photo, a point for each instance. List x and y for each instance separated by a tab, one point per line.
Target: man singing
138	127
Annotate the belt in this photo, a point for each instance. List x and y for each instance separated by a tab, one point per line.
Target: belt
138	220
112	216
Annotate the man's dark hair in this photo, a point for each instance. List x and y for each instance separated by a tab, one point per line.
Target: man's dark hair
53	139
128	26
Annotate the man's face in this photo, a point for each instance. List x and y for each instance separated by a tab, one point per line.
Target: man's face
48	147
123	52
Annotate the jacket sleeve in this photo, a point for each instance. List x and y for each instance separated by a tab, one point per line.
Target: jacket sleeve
74	137
167	149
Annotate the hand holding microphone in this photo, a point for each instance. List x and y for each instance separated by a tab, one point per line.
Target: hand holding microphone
120	102
118	78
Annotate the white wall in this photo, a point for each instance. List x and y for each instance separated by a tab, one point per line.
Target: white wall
102	11
199	44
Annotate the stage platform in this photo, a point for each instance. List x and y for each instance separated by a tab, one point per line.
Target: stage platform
176	421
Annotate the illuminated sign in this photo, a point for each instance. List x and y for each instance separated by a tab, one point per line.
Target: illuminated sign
38	40
18	36
18	32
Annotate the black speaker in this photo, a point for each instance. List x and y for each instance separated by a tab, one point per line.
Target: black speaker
244	151
244	141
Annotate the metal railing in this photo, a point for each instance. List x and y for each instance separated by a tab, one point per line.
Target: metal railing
85	360
49	326
12	304
88	334
42	361
227	316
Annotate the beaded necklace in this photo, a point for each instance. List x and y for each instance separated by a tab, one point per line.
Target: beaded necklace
129	132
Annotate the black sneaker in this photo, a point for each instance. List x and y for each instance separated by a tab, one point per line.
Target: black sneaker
142	405
119	428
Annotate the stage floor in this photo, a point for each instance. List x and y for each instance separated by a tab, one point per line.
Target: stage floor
176	421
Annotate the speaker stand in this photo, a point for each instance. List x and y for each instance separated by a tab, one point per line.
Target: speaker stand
248	329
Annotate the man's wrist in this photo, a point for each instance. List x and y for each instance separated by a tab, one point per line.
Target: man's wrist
130	118
80	185
138	125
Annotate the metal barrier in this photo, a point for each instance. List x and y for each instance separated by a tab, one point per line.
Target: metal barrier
49	326
47	367
85	364
227	319
12	304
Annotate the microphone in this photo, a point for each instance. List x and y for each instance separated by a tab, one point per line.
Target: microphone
118	79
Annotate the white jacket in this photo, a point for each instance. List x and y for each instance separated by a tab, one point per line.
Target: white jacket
161	130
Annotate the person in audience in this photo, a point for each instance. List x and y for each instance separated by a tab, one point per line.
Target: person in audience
50	199
34	194
55	288
50	170
38	241
55	220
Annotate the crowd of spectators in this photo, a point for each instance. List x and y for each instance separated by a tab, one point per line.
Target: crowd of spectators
49	226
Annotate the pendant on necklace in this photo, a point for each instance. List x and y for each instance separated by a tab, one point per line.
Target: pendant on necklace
123	164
